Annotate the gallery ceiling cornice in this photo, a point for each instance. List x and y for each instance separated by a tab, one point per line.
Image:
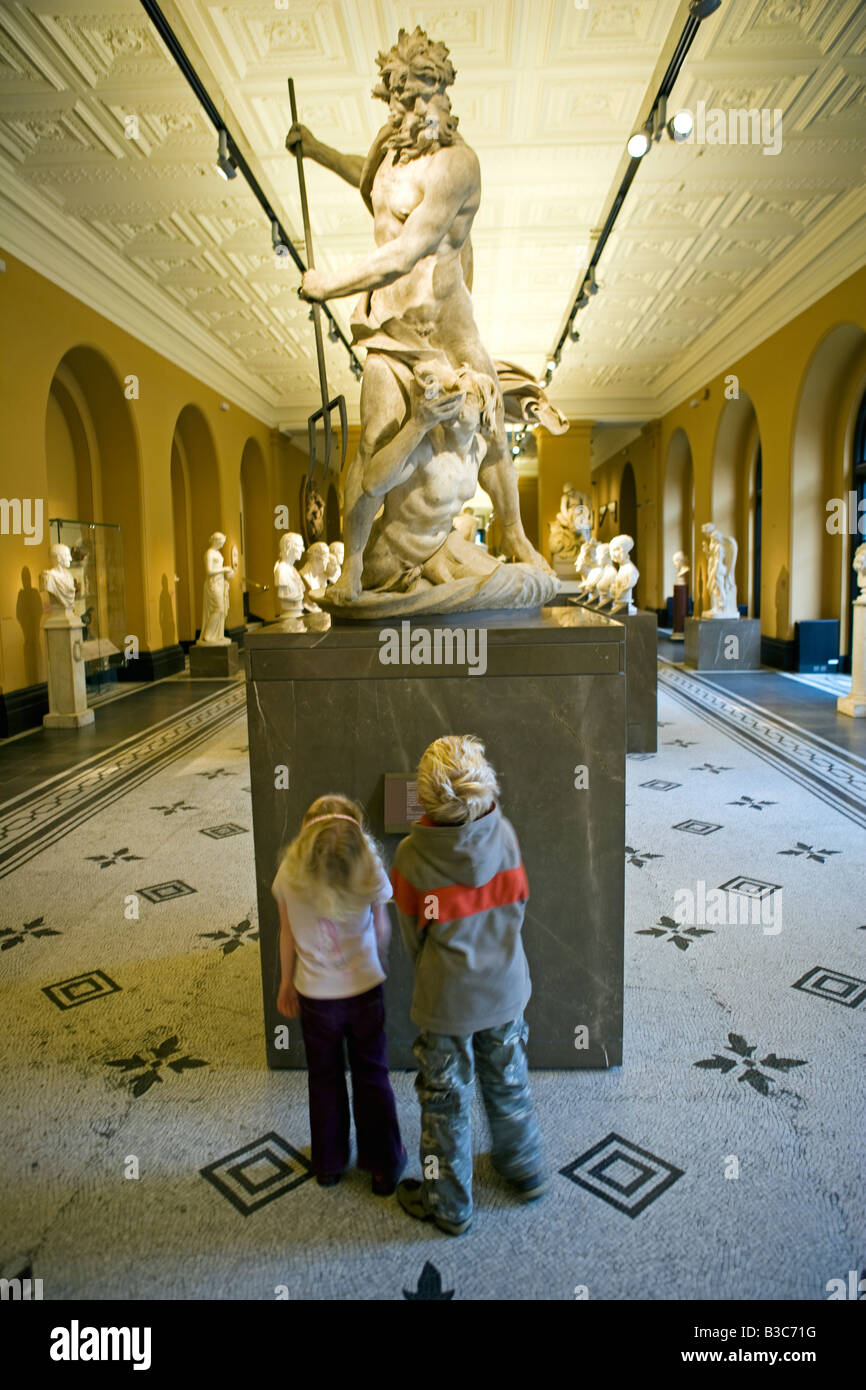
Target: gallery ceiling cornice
715	248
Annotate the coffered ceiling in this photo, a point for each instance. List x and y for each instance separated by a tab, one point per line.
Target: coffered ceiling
716	247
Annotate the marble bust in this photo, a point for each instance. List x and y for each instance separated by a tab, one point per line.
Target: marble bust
586	560
287	582
318	568
680	559
338	555
721	553
58	582
591	592
215	606
627	575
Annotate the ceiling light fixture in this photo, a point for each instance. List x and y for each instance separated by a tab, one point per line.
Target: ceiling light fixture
638	144
281	250
680	126
226	166
702	9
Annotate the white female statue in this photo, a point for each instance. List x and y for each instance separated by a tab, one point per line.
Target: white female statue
721	553
287	582
215	609
627	575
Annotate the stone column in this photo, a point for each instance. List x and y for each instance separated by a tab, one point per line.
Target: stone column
854	703
67	695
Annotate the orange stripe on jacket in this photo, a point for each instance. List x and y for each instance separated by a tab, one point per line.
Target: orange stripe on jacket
456	900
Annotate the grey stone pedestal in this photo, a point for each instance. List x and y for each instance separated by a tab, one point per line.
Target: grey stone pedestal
550	707
641	679
709	645
213	661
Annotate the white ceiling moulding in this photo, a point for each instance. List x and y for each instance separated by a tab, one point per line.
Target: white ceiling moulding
812	268
73	257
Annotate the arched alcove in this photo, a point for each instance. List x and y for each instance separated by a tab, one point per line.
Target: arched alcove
93	473
678	507
197	507
821	469
734	502
258	537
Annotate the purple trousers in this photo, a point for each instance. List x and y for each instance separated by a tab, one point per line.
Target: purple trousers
325	1023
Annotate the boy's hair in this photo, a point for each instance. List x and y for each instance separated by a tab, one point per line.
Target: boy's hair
333	864
455	781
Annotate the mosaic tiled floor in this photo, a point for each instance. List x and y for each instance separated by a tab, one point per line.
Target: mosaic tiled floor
148	1152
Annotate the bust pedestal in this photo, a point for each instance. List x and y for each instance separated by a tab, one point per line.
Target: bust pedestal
213	659
681	610
723	644
854	703
67	694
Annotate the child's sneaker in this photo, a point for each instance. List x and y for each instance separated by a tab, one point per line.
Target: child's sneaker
531	1188
409	1195
383	1184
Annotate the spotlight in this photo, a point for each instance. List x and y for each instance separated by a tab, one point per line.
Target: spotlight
281	250
515	449
590	284
702	9
333	333
680	126
638	144
573	334
552	365
582	299
225	164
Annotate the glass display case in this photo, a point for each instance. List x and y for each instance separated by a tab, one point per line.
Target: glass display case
96	548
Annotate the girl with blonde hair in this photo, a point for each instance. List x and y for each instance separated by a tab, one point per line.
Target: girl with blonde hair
331	889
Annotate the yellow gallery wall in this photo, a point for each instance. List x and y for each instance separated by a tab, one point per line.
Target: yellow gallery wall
51	337
799	394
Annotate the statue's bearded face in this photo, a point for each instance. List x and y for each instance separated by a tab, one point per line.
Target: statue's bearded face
420	114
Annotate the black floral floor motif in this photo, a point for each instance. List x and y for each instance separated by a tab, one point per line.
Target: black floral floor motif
10	937
752	1071
144	1072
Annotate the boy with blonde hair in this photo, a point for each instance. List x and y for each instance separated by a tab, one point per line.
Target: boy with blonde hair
460	891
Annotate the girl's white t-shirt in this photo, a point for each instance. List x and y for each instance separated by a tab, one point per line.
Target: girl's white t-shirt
333	960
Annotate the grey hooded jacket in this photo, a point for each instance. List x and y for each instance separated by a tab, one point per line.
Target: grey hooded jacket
460	893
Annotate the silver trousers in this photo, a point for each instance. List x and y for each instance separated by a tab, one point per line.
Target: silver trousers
445	1084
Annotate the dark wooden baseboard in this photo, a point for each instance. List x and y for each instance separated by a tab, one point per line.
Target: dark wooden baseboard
778	652
153	666
23	709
